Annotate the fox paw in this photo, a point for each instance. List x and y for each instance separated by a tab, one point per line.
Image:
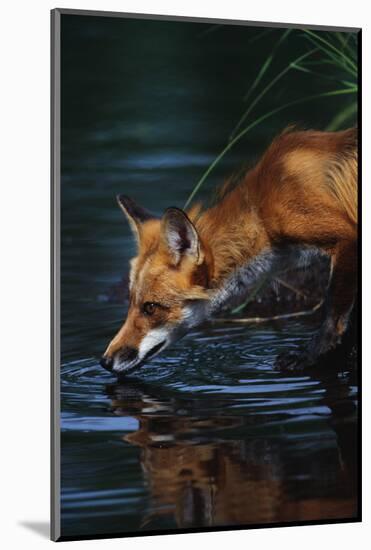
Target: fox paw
293	361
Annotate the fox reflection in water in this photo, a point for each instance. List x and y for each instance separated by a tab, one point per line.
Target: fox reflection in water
206	466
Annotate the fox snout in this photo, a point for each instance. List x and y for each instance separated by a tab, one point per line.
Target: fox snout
123	359
125	355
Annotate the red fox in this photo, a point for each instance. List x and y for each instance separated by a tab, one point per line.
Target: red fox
299	199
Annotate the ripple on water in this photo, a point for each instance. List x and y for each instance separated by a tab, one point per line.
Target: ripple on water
209	407
231	370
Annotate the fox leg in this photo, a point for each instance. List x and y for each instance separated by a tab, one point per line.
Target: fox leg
338	305
340	295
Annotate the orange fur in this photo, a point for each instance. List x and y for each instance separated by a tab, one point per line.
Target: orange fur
303	191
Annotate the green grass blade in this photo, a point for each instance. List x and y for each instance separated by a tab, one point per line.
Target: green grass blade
317	37
260	75
338	121
345	43
263	281
267	88
301	68
209	30
251	126
335	60
324	76
328	47
266	64
260	35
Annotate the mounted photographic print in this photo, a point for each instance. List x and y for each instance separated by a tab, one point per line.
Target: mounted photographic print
206	292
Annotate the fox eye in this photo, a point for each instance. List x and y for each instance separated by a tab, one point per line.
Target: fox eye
149	308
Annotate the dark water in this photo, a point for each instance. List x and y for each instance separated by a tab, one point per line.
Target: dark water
207	434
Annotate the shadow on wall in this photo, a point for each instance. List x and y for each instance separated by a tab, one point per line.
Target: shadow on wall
41	528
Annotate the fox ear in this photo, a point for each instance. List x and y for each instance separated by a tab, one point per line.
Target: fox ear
135	214
180	236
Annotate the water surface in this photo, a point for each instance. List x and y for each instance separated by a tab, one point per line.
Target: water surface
208	433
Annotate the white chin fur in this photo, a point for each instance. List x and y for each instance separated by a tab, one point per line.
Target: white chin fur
193	315
152	339
119	366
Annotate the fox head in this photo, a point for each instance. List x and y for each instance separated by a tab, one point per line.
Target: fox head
168	286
